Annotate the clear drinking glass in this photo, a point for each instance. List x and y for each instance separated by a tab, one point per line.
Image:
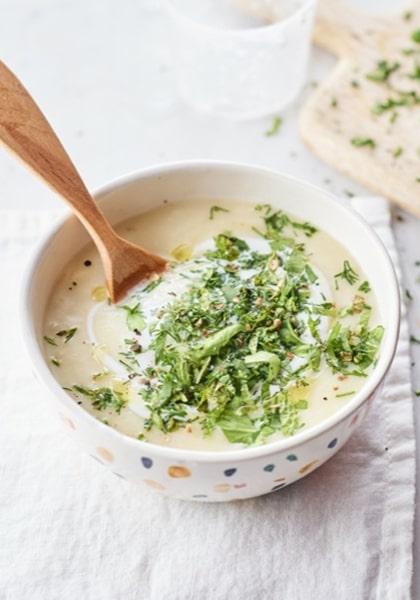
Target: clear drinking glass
231	62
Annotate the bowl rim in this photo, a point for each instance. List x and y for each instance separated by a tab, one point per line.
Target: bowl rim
39	363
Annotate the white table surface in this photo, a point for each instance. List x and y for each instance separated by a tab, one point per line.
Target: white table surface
101	71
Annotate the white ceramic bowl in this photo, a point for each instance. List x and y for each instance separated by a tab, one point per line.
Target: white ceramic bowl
197	475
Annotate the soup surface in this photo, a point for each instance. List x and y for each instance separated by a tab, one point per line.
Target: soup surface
261	327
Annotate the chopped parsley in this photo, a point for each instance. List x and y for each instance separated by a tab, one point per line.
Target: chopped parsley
275	127
216	209
103	398
135	318
67	334
348	274
383	71
153	283
364	287
416	72
402	99
345	394
360	142
415	36
49	340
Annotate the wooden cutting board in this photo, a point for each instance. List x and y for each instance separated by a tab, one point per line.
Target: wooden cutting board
351	120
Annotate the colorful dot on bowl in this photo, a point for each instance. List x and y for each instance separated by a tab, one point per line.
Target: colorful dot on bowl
146	462
333	443
308	467
154	484
230	472
178	472
277	487
221	487
104	454
291	457
269	468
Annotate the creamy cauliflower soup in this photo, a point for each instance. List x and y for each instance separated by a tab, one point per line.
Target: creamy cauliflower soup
261	327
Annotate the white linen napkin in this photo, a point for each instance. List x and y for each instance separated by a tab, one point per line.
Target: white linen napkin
70	529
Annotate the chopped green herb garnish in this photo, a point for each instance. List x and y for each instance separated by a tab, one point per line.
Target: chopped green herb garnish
276	221
348	273
55	362
407	15
383	71
152	284
408	295
334	102
415	36
397	152
135	318
417	393
228	247
103	398
275	127
216	209
345	394
364	287
352	352
49	340
360	142
67	334
416	72
414	340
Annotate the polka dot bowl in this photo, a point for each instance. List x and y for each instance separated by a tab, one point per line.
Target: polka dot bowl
197	475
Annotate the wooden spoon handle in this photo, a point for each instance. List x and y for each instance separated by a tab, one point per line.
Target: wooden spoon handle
25	130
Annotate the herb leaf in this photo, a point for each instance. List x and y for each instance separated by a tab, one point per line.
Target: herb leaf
67	334
360	142
103	398
383	70
275	127
348	274
135	319
216	209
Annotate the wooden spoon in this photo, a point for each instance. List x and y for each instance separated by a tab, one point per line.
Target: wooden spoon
25	131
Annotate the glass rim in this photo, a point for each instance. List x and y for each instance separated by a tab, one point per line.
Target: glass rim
244	32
